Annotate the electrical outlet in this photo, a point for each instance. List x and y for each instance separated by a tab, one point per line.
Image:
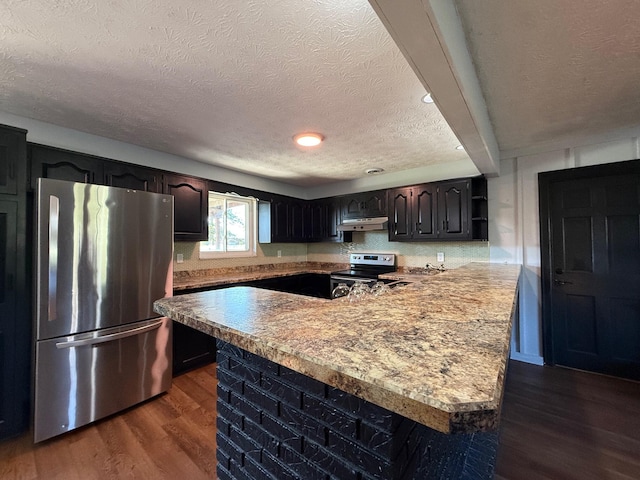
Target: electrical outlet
279	253
179	258
440	256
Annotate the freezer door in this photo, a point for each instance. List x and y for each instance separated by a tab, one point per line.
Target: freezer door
104	255
85	377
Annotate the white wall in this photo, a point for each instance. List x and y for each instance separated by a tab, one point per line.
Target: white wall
514	227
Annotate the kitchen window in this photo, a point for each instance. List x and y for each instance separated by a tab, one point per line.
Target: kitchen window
232	227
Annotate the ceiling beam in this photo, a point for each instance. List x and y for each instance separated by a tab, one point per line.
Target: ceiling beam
430	35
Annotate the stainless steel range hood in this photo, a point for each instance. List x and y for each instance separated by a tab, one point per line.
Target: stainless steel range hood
363	224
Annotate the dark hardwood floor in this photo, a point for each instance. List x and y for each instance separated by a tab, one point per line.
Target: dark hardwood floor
556	424
559	423
169	437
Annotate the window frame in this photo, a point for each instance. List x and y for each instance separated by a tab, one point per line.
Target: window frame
252	223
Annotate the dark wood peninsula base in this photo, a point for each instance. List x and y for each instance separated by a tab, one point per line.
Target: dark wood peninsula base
274	423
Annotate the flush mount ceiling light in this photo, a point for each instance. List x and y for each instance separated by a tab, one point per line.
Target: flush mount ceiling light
374	171
459	147
308	139
427	98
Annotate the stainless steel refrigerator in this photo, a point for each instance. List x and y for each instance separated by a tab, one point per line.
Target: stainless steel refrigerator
103	256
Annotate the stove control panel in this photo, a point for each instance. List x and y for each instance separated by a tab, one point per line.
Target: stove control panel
383	259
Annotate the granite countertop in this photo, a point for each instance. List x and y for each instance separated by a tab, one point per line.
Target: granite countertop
186	280
434	351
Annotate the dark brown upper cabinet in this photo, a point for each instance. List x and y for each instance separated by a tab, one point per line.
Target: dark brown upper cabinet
12	145
454	209
283	220
191	198
124	175
413	213
50	162
365	205
442	211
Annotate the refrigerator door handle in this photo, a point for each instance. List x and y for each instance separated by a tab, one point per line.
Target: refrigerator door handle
111	337
54	217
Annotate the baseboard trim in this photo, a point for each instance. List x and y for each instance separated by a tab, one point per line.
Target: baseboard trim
527	358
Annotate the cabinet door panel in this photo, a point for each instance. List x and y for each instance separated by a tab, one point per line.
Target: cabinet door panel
297	218
130	176
374	204
280	216
316	221
8	298
400	226
190	196
10	144
453	209
333	218
47	162
191	348
352	207
424	212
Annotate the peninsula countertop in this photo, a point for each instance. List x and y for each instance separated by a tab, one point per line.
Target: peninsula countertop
434	351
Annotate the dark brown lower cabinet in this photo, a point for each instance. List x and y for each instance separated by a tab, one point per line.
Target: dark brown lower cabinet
191	348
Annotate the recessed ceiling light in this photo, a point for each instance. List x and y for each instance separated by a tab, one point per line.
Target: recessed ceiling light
427	98
459	147
308	139
374	171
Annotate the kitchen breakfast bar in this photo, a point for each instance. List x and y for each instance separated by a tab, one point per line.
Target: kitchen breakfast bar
400	386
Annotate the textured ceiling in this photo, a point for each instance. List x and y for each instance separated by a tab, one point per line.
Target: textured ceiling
226	82
553	70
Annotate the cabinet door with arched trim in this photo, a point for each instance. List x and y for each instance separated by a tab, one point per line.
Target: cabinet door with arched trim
454	205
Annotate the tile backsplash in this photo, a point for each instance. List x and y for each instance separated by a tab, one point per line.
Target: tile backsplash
267	253
418	254
409	254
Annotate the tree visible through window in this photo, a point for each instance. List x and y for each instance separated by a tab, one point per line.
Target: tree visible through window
231	226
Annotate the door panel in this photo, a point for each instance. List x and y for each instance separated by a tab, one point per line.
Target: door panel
623	238
577	234
625	313
591	284
581	324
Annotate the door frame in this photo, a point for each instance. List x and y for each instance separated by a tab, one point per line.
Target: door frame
545	183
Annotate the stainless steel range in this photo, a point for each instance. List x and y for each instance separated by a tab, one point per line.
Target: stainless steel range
364	267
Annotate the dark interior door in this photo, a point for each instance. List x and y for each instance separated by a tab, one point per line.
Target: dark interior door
592	278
